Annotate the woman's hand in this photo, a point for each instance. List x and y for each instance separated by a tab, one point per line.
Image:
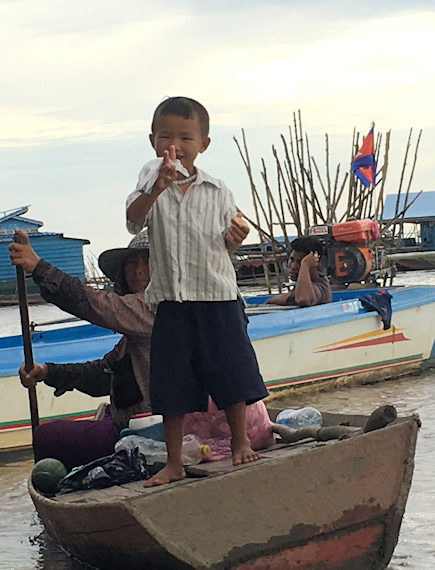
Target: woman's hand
37	374
21	253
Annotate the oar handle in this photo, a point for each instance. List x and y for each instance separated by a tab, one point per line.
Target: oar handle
27	339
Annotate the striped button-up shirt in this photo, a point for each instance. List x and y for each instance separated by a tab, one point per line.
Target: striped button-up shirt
189	260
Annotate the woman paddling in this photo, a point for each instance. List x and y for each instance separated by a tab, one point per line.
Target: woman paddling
122	373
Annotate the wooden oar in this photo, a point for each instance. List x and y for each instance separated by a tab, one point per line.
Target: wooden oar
27	340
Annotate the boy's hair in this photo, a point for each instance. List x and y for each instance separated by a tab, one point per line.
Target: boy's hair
183	107
307	244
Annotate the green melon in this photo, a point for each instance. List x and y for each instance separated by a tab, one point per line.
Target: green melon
46	474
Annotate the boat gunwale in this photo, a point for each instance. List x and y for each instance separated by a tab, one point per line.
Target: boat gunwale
200	472
306	318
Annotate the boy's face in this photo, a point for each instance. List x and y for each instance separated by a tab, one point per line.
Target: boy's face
184	134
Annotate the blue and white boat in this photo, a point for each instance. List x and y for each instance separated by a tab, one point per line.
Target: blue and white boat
330	344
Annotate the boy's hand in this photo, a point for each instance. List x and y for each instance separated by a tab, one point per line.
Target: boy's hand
167	172
237	232
37	374
22	253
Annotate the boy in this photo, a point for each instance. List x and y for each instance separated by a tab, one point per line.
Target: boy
199	342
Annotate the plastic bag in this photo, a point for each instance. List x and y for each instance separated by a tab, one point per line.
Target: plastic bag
212	429
149	173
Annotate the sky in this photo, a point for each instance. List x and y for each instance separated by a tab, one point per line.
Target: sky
79	82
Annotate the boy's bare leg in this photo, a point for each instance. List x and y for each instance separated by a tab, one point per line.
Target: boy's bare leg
173	470
240	444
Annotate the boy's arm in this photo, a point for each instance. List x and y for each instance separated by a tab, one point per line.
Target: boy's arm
138	209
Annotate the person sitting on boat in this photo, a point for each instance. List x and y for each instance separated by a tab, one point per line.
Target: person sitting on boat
122	373
311	284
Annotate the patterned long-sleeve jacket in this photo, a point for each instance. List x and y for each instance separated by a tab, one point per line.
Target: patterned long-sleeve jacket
124	371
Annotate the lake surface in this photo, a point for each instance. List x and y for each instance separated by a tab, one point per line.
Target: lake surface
25	546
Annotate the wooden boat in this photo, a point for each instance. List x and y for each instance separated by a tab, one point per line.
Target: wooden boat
329	344
333	505
413	260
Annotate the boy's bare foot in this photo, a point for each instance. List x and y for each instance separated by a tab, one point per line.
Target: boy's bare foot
166	475
244	454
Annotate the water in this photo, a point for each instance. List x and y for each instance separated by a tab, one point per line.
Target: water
416	546
25	546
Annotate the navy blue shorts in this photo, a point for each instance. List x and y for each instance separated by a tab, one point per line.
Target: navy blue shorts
200	349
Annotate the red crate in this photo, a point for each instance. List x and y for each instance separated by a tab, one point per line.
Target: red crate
353	231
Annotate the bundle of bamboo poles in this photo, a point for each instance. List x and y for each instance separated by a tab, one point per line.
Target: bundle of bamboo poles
299	197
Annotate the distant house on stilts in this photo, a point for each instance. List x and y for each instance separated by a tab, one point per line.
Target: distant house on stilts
414	230
65	253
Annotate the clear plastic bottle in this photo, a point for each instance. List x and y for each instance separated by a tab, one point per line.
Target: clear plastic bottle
307	416
193	451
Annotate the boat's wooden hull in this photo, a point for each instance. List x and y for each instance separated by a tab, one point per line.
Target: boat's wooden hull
335	505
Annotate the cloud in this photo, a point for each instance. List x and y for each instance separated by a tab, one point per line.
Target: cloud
81	80
98	69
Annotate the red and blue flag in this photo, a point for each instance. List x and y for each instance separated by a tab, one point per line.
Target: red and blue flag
364	163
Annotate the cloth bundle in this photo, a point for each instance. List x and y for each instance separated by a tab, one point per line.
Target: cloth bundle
212	429
380	301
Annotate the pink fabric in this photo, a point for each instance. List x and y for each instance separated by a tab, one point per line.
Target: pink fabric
212	429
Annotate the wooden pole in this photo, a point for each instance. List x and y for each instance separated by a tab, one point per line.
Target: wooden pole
328	180
27	341
280	182
352	182
379	212
271	203
412	169
310	179
301	158
400	227
256	201
325	195
292	179
408	144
